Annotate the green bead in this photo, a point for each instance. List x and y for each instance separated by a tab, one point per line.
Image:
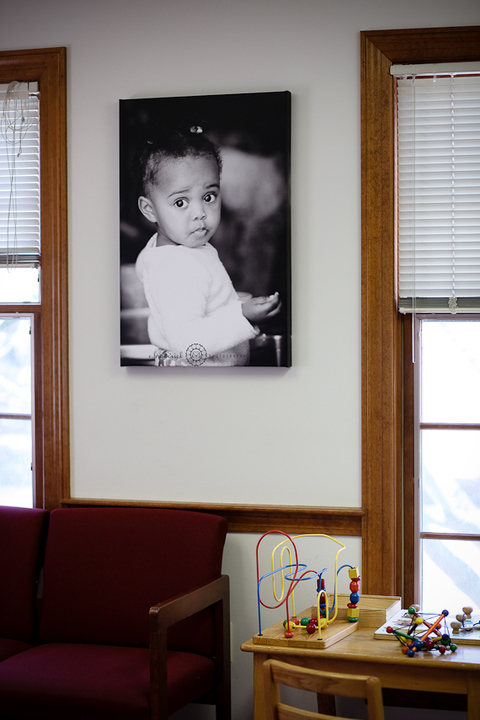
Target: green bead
304	621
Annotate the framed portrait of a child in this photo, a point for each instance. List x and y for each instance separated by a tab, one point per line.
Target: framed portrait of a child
205	231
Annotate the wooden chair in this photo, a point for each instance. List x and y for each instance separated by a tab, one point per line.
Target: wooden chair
278	673
134	617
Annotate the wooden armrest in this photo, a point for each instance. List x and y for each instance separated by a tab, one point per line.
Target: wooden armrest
182	606
215	594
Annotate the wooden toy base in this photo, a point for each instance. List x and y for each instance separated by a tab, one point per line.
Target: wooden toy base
373	610
275	635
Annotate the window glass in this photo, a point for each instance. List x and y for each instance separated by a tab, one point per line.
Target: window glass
451	578
450	473
19	285
449	463
15	365
451	371
16	443
16	486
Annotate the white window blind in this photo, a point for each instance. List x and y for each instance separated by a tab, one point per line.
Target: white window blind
438	190
19	175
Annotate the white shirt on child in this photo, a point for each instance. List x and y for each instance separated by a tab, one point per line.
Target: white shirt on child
193	305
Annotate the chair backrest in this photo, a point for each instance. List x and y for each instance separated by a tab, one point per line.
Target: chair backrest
105	567
321	682
22	539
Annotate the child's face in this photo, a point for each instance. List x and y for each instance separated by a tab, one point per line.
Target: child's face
185	201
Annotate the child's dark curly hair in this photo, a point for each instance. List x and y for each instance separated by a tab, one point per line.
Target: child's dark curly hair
163	144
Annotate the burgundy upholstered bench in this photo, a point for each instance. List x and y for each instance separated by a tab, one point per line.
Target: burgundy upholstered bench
22	539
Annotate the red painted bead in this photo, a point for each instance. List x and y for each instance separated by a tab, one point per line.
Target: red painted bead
311	628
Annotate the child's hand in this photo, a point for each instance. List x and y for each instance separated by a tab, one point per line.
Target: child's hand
260	308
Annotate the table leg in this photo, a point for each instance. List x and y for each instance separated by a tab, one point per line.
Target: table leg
473	701
258	686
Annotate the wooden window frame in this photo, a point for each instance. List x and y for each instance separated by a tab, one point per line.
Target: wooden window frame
387	386
51	416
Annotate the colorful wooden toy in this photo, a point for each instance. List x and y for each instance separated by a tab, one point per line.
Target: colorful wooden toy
286	566
415	640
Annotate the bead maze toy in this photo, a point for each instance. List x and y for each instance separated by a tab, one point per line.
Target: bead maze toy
315	627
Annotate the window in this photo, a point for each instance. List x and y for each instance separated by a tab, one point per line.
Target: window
33	316
438	181
387	385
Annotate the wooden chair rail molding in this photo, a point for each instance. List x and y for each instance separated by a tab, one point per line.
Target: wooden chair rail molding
256	518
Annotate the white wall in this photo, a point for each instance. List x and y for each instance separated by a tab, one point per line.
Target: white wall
221	435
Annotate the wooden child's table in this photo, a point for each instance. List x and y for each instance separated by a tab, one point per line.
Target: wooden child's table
360	653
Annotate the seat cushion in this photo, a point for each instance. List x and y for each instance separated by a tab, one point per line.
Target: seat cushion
22	536
9	647
59	681
105	567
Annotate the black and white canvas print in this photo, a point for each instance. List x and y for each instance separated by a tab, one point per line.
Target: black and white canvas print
205	231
